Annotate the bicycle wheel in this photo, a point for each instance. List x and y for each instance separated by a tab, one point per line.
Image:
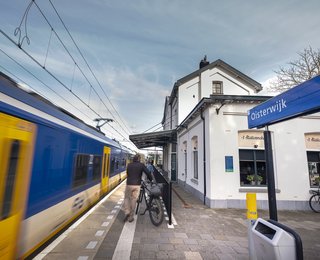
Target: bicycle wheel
156	211
314	203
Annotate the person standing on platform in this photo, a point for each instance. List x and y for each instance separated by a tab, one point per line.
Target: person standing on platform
135	169
150	167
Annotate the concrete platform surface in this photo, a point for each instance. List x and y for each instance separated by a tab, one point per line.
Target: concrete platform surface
198	232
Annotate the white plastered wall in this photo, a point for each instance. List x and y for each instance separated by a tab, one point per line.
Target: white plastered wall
289	155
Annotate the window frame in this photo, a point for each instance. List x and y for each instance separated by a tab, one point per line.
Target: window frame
217	90
195	164
82	162
255	159
313	161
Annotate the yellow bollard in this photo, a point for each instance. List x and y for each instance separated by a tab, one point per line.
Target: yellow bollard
252	213
252	216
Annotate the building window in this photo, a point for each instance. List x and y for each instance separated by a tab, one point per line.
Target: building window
195	156
184	148
314	168
185	164
174	148
252	167
195	164
217	87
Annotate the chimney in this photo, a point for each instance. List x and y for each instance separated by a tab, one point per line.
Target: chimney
203	62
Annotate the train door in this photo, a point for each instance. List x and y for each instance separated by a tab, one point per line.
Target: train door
16	153
105	169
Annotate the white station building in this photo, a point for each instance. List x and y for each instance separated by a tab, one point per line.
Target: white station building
209	150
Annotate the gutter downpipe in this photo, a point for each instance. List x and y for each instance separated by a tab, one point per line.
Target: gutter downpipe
204	159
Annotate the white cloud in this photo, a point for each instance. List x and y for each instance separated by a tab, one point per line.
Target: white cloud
138	49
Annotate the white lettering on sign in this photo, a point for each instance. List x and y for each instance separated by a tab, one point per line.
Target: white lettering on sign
276	108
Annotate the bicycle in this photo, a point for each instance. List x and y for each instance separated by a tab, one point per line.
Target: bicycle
314	201
151	193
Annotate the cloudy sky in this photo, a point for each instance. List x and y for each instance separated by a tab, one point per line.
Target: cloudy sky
137	49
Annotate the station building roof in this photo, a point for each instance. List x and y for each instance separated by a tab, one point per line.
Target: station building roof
154	139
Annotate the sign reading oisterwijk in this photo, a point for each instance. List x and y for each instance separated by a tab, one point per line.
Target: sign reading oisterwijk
301	100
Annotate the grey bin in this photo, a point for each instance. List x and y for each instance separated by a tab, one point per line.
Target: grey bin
272	242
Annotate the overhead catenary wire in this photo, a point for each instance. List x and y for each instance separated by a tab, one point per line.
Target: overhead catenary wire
19	45
165	123
91	87
42	82
57	79
89	67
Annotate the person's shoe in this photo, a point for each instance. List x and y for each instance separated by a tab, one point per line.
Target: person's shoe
126	218
131	219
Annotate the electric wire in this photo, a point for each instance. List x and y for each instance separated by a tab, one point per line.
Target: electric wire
19	45
18	30
25	69
58	80
87	64
70	55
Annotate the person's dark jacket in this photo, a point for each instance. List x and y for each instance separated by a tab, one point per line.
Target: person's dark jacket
134	173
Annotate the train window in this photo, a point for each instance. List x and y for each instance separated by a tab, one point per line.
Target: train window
112	165
117	165
108	164
81	170
10	181
96	167
104	166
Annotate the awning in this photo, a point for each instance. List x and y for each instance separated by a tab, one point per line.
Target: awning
154	139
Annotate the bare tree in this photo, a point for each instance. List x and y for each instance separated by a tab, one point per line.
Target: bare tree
304	68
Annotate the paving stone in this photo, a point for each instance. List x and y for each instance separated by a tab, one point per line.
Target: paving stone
180	235
193	256
150	247
166	247
210	233
176	240
206	236
190	241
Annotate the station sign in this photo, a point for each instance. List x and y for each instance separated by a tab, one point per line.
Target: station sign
301	100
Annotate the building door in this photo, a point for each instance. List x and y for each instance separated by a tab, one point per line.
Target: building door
185	168
105	170
173	167
16	153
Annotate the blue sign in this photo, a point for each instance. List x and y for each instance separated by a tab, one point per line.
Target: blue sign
301	100
228	163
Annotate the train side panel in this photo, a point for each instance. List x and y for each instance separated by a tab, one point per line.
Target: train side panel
53	220
69	171
16	152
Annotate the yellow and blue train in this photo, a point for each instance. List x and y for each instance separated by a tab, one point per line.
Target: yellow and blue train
53	167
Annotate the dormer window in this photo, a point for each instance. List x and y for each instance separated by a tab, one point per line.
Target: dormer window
217	87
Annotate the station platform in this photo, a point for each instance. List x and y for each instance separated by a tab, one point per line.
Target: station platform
197	232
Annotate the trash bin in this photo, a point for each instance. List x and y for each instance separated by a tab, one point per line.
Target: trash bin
272	242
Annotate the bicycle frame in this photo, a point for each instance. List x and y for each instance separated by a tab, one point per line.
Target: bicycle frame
153	205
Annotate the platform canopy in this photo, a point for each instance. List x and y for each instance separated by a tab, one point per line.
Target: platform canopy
154	139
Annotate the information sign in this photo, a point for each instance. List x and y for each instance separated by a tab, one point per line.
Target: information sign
301	100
